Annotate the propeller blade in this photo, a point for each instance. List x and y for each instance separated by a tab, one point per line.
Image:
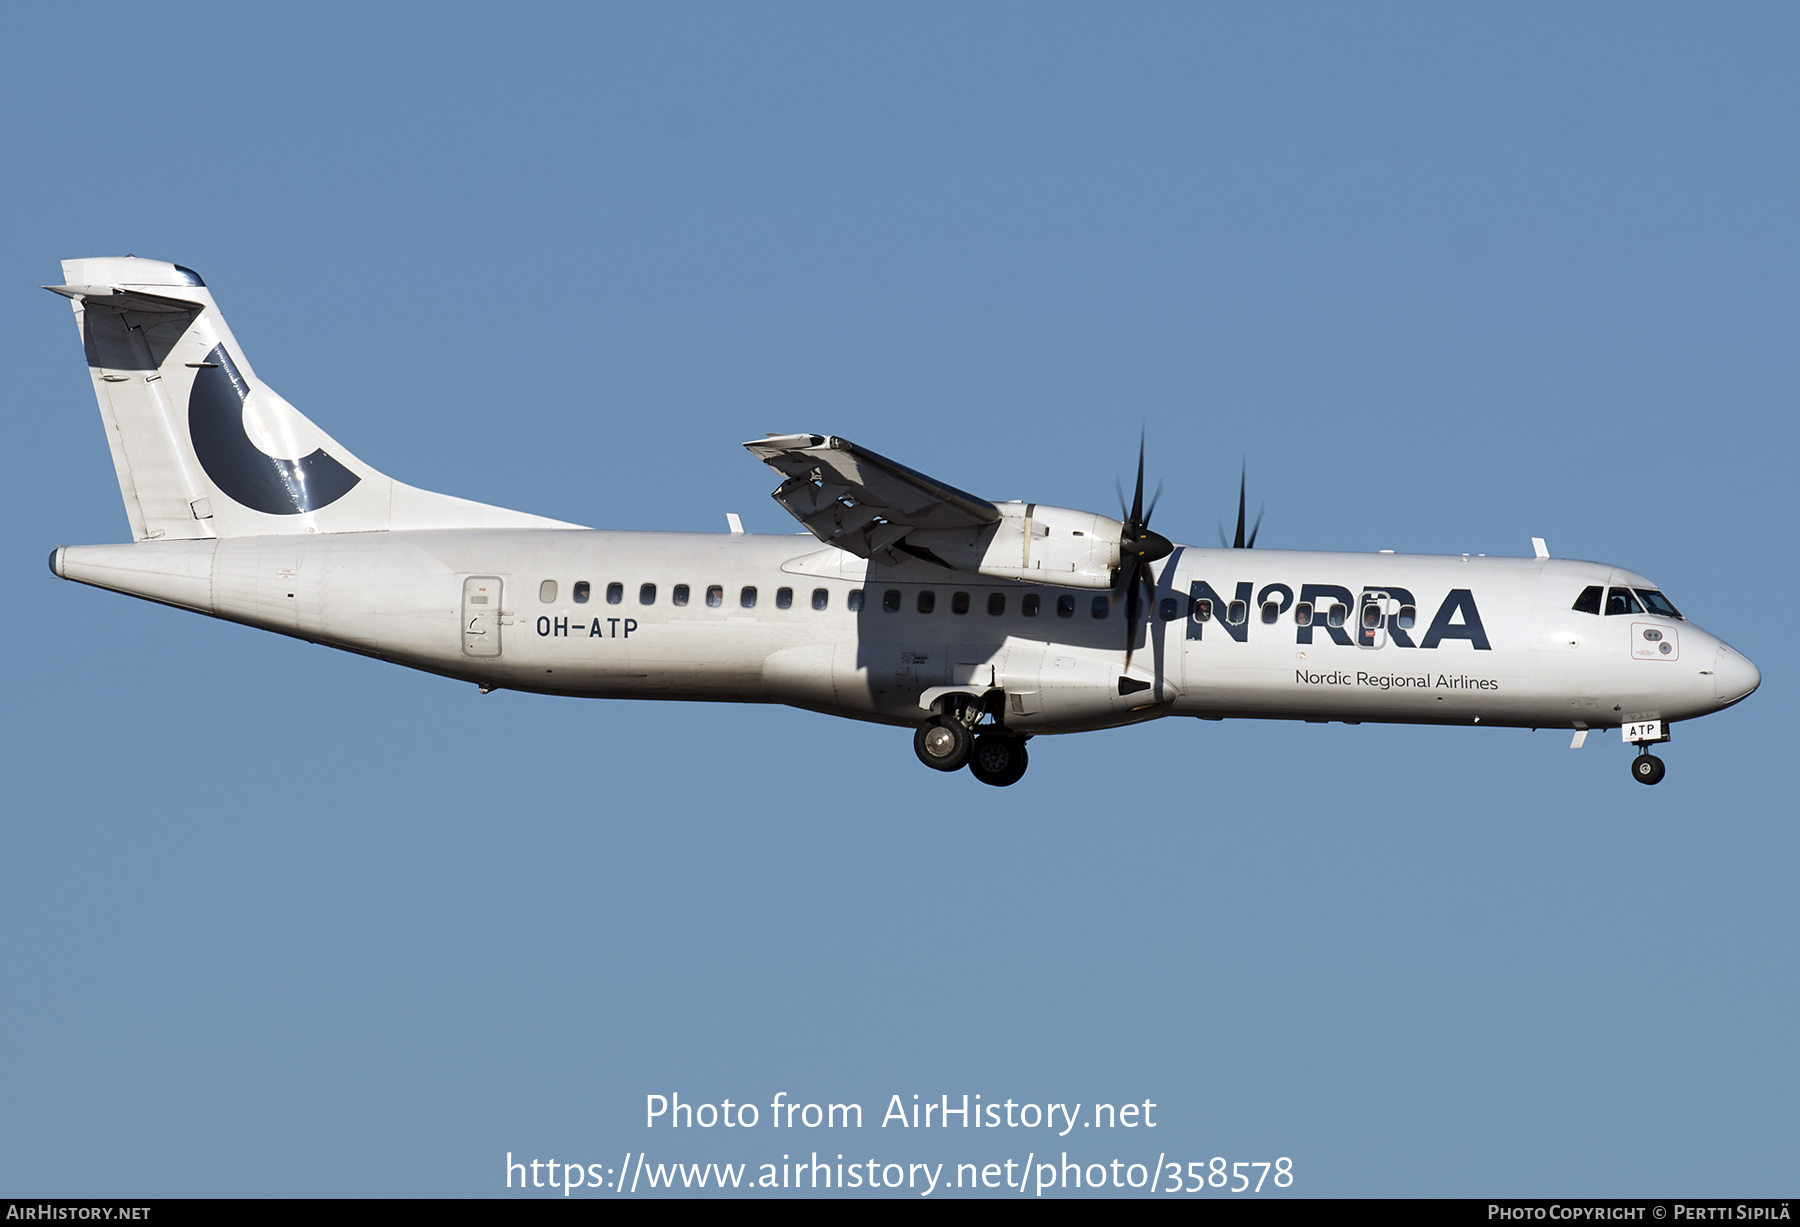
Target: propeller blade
1138	548
1137	498
1251	544
1133	611
1238	541
1128	582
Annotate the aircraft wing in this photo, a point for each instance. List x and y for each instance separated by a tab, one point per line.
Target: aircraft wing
850	497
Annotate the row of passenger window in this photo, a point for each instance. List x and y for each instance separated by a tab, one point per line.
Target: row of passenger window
1169	609
1335	614
680	594
1625	601
1031	605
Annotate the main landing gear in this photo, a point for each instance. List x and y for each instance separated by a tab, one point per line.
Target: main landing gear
998	759
949	741
1646	768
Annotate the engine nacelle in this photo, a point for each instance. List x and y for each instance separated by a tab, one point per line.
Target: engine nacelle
1035	544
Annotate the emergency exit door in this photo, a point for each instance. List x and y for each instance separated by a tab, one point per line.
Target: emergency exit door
481	616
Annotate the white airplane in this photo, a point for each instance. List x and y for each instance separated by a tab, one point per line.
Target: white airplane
977	624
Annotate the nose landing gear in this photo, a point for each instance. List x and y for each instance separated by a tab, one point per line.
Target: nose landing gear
1646	768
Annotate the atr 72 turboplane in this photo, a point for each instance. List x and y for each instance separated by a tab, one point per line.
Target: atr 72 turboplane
977	624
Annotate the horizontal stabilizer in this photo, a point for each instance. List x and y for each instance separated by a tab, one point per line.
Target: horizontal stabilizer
118	299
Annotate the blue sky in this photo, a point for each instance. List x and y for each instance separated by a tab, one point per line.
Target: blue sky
275	919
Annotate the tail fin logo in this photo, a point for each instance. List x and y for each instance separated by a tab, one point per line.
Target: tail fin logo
240	468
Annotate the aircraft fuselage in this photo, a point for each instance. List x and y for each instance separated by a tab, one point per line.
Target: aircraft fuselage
775	619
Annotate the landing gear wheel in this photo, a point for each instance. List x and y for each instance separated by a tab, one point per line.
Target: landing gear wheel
998	759
943	744
1647	769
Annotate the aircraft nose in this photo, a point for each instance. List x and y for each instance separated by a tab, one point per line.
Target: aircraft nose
1734	677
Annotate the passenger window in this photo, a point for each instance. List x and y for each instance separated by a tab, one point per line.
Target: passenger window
959	603
927	600
821	598
996	604
715	596
615	593
1588	601
784	598
1657	603
547	591
581	592
854	601
1620	601
1335	615
1406	617
1271	610
1372	615
1169	610
1030	603
647	594
1303	614
747	597
678	595
1065	606
1101	605
1236	612
890	600
1203	610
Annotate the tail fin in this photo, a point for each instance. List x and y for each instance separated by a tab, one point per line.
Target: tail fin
201	446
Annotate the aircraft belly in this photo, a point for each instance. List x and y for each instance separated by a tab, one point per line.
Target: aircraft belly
802	676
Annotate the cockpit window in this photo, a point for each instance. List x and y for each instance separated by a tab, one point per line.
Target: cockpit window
1620	601
1657	603
1588	601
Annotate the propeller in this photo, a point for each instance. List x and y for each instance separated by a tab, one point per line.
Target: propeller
1138	548
1240	542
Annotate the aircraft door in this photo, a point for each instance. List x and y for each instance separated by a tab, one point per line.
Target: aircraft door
481	616
1372	617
